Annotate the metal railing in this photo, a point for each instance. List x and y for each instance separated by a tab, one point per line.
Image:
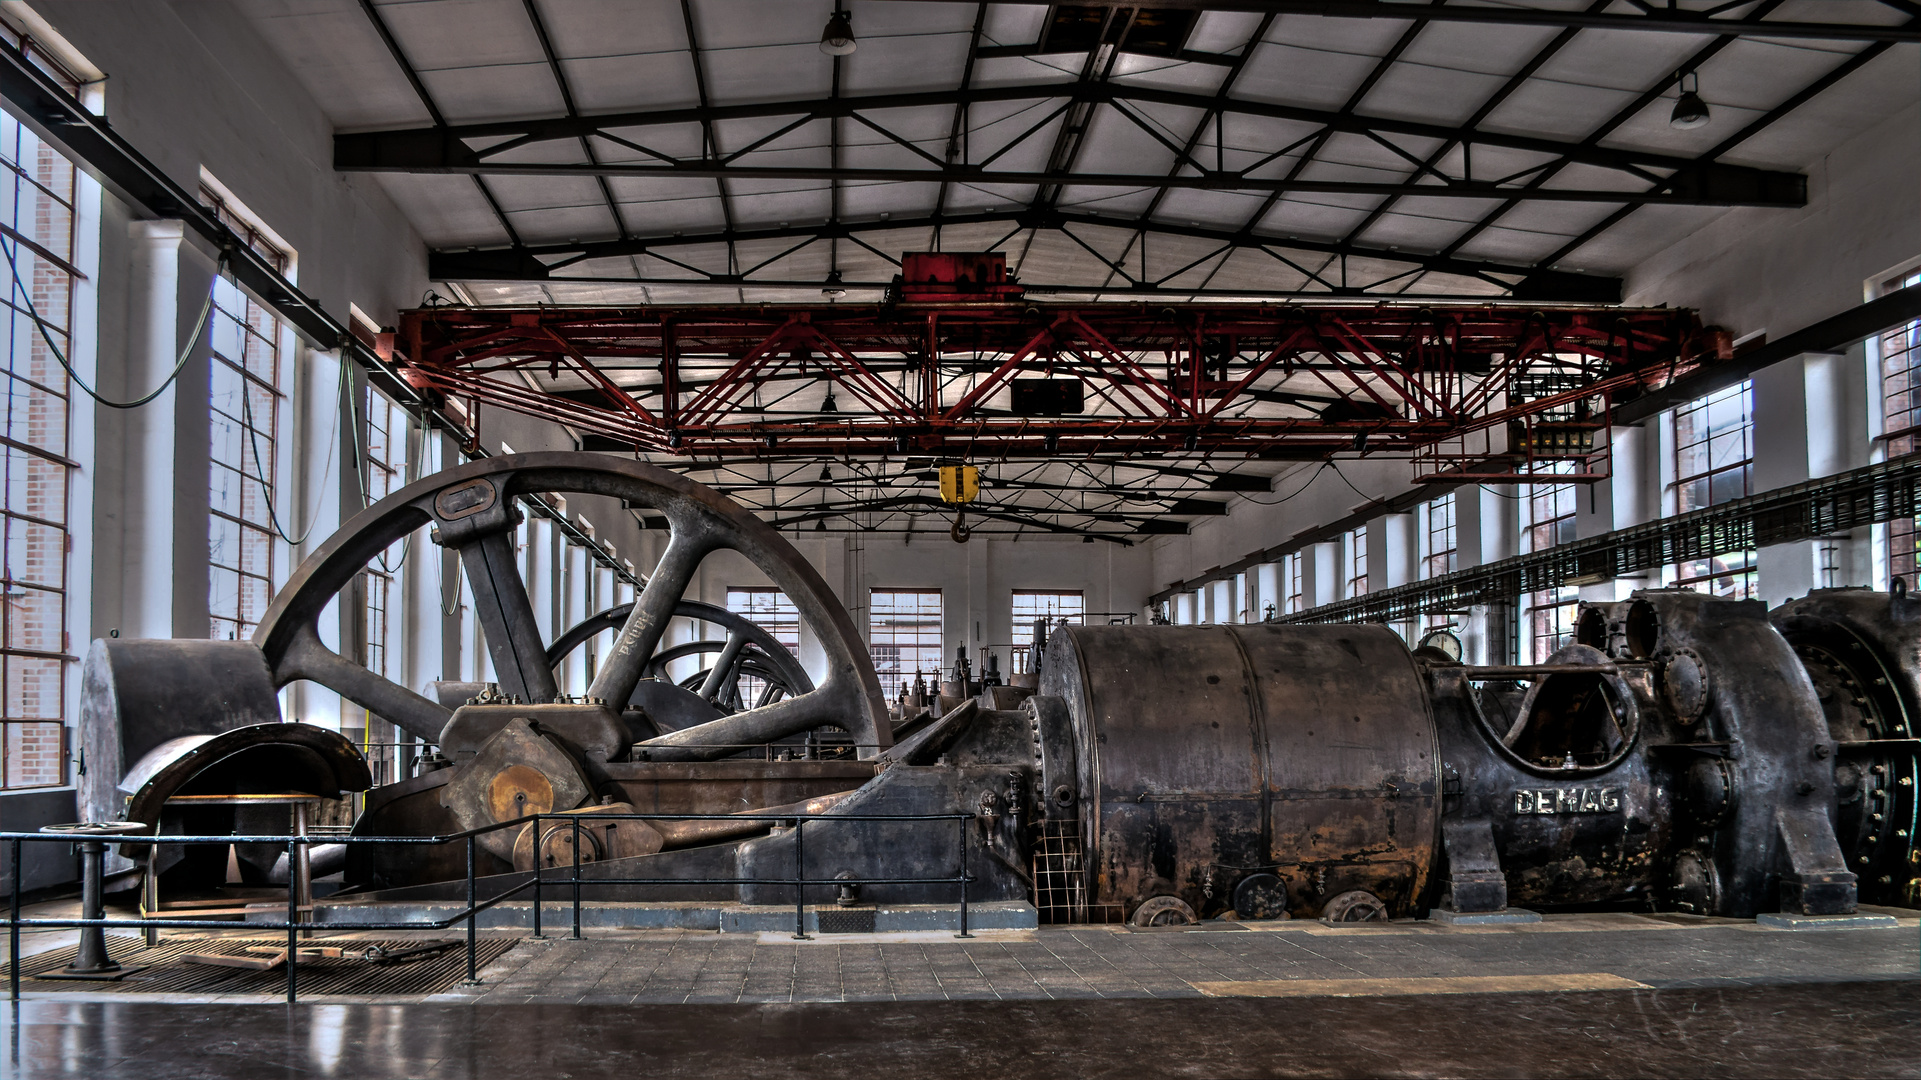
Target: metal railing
294	925
1826	507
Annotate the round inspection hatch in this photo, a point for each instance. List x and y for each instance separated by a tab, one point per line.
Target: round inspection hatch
1686	682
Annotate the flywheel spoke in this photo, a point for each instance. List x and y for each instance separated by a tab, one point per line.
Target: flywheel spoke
725	736
620	673
725	671
507	618
307	658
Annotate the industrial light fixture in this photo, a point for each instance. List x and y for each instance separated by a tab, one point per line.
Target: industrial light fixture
826	475
827	403
1689	110
838	38
833	287
820	524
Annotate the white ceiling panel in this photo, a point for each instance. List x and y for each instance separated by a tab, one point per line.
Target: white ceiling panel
602	84
534	192
1223	31
497	92
463	33
575	222
482	61
610	29
337	55
447	211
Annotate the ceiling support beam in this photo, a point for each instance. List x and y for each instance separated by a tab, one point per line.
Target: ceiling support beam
484	149
433	110
1667	20
552	262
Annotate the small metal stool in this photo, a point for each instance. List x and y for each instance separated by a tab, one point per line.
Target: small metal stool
92	962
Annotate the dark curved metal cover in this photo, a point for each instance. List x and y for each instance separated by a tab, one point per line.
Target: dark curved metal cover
138	694
267	757
1215	752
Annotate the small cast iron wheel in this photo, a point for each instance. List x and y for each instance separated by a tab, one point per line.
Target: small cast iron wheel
748	651
1164	911
1354	906
472	509
1261	896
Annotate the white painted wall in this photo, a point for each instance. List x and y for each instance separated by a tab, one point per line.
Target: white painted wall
1750	271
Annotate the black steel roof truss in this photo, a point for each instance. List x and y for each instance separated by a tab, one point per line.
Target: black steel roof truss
448	150
1663	19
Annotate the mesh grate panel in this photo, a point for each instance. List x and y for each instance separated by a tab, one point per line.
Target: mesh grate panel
1060	874
846	920
166	971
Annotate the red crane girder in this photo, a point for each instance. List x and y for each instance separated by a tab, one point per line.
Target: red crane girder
1280	380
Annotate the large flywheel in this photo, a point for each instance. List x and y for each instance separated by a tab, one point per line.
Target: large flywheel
715	689
472	511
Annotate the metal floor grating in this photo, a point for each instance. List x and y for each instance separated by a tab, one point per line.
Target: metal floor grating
166	970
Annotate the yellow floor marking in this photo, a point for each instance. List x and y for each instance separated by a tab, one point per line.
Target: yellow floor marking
1463	984
886	937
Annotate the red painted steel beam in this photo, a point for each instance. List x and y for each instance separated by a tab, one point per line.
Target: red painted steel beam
936	378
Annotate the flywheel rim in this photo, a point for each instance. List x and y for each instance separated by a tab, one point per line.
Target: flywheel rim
466	505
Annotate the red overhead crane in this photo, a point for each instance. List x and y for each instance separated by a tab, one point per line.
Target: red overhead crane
959	363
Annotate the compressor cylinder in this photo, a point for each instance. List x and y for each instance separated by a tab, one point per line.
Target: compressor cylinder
1302	756
1677	758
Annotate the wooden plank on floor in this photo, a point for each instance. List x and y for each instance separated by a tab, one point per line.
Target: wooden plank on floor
251	963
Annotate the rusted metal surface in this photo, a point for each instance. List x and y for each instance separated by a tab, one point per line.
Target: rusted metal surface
1216	753
471	506
1862	651
1686	753
1736	815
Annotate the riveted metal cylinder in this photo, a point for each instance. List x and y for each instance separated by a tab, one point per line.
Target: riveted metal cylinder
1214	754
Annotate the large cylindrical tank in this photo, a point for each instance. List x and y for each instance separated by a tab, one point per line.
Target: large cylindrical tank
1212	755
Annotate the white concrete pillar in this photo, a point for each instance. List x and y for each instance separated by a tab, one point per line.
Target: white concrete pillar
1400	550
1469	521
1321	573
576	604
1269	589
1783	450
1839	393
161	517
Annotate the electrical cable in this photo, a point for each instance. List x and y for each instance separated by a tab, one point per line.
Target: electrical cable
186	351
360	482
253	443
1310	483
1350	484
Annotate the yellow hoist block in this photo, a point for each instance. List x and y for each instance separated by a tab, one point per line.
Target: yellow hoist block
959	483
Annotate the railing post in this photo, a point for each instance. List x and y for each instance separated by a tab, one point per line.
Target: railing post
13	928
537	847
800	890
575	822
962	822
473	978
293	923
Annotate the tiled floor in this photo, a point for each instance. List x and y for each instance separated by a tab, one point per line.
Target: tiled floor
1576	995
1106	963
1860	1029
